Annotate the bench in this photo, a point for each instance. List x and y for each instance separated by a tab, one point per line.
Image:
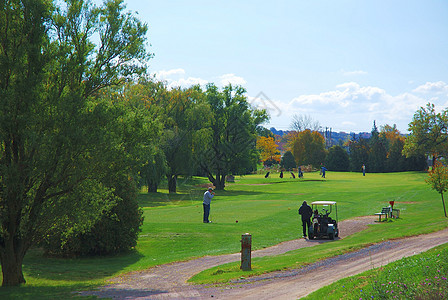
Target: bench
385	211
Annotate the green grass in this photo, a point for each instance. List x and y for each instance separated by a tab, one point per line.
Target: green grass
266	208
423	276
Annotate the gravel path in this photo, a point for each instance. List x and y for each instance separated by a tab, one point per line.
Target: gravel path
170	281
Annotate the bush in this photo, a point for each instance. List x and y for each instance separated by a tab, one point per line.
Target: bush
116	232
270	162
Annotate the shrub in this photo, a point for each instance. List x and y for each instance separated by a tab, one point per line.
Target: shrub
117	231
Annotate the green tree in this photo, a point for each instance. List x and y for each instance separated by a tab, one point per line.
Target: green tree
153	170
147	98
182	114
438	180
115	232
288	162
359	153
229	146
337	159
428	133
308	148
186	113
378	152
396	161
54	137
263	131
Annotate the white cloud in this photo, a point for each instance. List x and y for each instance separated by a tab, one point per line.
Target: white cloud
438	87
353	73
345	96
165	74
187	82
348	123
352	107
232	79
178	78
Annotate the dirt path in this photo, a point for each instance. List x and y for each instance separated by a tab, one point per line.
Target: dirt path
170	281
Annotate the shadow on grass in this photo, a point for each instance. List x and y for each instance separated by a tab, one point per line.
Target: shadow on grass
76	269
162	199
43	292
127	293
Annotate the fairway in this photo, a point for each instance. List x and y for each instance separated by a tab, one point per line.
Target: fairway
265	207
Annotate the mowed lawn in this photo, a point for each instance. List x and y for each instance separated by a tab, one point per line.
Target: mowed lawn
265	207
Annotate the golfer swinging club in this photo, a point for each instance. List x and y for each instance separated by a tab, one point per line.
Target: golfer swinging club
208	195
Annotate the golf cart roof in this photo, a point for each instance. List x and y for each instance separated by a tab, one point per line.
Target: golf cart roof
323	203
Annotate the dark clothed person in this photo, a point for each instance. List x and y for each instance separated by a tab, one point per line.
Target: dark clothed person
306	212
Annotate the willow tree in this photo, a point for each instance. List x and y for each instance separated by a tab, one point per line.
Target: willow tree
54	140
228	147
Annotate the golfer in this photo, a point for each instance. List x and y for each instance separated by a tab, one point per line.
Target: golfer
208	195
306	212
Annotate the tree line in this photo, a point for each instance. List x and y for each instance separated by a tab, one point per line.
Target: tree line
385	151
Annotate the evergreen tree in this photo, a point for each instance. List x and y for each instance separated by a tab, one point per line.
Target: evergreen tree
337	159
378	152
359	153
288	162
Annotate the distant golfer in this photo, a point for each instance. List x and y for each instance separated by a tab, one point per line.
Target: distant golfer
306	212
208	195
323	169
300	172
363	170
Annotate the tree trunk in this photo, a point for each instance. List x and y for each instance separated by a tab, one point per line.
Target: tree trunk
152	187
172	183
220	182
443	202
11	264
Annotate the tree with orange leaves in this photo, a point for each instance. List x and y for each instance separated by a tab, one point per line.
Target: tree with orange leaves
268	149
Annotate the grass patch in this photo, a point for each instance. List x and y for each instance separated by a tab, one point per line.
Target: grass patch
423	276
265	207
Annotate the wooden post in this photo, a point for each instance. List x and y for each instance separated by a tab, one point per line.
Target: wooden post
246	248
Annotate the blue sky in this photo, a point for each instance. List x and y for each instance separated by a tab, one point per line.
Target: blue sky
344	63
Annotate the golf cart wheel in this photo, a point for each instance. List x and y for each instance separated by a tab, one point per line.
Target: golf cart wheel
331	236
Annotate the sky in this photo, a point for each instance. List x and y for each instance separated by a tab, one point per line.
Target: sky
344	63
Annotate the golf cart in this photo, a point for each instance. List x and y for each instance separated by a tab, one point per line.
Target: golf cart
322	224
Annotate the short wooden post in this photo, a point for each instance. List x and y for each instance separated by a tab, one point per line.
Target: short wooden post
246	248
